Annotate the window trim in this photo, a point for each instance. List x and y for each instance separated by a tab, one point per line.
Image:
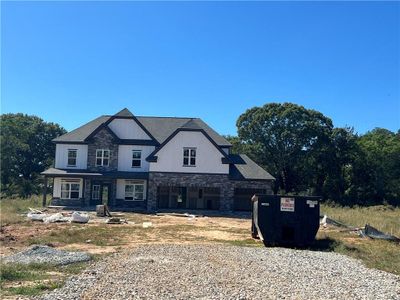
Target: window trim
136	159
69	190
103	158
189	157
96	185
135	184
76	157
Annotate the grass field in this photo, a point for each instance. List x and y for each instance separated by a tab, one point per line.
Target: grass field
385	218
100	239
383	255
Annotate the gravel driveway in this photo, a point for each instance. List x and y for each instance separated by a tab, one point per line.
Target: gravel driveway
228	272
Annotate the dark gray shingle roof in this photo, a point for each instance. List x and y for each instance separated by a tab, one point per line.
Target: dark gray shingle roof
162	127
81	133
159	127
243	168
124	113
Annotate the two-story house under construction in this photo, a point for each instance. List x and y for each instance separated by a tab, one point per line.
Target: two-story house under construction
152	163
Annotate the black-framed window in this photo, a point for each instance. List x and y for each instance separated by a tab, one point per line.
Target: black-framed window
189	157
102	157
70	189
134	191
136	158
96	191
72	154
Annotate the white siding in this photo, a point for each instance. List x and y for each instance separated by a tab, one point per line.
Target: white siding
57	187
125	158
128	129
208	158
226	150
121	188
62	156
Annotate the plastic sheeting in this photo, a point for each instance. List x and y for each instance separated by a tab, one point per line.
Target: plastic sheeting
374	233
79	217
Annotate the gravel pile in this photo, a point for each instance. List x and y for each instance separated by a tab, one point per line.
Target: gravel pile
45	254
228	272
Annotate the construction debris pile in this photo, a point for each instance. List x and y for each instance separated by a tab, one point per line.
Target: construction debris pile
102	212
75	217
366	231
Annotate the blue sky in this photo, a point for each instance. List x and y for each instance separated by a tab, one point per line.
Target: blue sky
69	62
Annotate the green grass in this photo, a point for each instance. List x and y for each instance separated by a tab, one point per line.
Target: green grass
33	290
18	272
32	279
378	254
102	235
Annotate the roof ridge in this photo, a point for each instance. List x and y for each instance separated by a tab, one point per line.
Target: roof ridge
166	117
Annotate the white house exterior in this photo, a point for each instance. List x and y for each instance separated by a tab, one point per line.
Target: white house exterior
152	163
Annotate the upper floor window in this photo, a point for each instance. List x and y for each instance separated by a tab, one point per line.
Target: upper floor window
189	157
72	157
102	157
136	158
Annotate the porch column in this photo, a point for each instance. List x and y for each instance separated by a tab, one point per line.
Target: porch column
44	192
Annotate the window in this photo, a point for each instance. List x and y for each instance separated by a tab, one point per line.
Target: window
96	192
136	158
102	157
70	189
189	157
72	157
134	191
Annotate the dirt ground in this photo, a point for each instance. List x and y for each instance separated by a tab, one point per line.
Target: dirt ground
164	229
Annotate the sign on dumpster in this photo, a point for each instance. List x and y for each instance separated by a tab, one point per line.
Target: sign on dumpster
287	204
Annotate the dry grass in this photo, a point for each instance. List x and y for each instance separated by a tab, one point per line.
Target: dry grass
11	210
385	218
379	254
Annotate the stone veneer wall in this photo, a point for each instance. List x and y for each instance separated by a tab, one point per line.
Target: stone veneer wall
222	181
87	190
102	140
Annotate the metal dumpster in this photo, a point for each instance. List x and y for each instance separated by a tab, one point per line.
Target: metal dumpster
285	220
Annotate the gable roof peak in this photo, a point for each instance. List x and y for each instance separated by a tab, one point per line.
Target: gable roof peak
124	113
191	124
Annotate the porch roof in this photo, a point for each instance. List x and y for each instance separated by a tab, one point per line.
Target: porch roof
244	168
54	172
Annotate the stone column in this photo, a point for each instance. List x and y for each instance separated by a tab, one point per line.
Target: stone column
151	193
44	192
227	197
86	192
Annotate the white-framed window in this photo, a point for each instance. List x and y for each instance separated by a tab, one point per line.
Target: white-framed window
102	157
189	157
136	158
72	153
96	191
134	190
70	189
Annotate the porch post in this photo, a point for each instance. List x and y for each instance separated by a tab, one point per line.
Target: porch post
44	192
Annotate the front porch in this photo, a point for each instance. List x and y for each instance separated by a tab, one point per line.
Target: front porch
85	189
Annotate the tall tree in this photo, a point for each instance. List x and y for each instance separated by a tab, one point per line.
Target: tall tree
288	137
376	171
26	150
343	154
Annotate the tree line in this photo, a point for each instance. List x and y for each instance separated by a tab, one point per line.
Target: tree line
26	151
300	147
307	155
